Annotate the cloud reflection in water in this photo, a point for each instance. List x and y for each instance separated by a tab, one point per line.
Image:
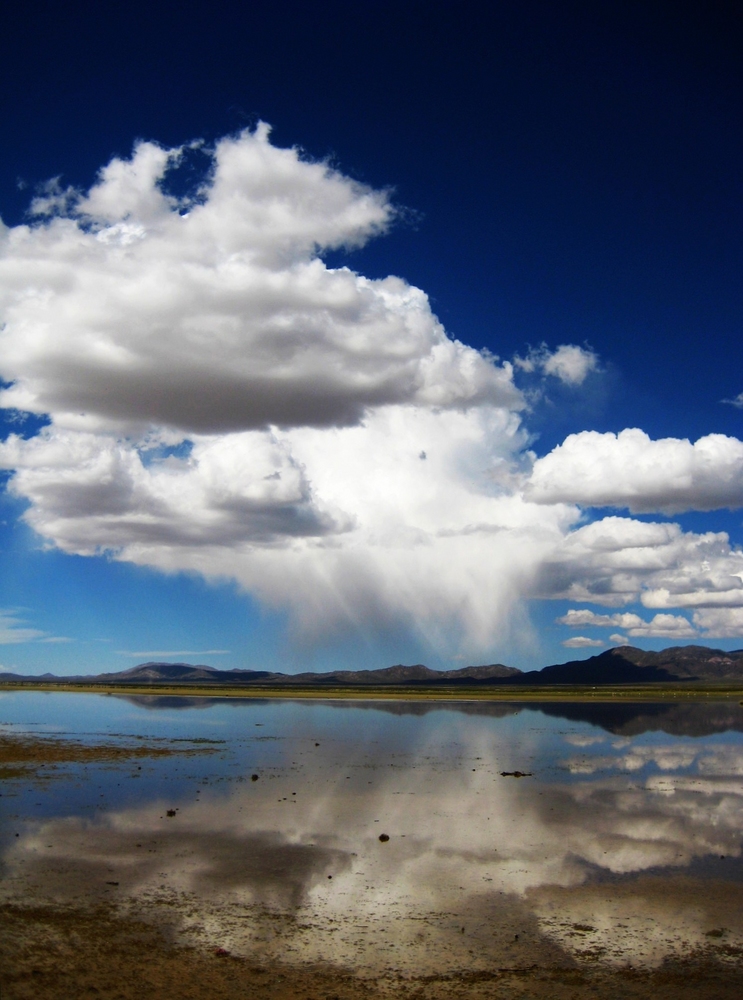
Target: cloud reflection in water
588	858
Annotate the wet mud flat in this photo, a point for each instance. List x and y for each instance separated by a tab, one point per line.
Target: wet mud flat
58	953
24	755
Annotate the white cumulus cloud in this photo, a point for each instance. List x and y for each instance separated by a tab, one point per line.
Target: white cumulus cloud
660	626
617	561
720	623
221	401
132	310
631	470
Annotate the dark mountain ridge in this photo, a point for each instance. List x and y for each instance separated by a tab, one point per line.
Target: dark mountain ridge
629	665
621	665
398	674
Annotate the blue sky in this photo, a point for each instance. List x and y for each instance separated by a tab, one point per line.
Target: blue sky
216	407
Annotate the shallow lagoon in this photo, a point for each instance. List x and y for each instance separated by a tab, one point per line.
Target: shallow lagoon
621	846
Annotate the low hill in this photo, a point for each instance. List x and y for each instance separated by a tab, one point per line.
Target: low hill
164	673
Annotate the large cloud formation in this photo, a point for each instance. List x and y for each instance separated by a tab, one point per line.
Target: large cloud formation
217	315
223	401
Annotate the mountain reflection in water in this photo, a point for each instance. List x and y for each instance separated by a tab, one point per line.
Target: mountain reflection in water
624	718
601	854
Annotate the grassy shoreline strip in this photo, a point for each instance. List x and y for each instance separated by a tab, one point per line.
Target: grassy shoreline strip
605	693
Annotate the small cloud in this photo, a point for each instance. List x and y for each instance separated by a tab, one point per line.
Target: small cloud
56	638
175	652
578	617
582	642
736	402
660	626
619	640
569	362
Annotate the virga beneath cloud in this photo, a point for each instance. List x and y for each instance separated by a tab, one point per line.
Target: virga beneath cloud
222	401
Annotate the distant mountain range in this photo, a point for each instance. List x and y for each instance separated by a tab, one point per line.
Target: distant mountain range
187	673
621	665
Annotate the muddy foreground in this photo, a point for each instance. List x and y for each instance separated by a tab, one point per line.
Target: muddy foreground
61	954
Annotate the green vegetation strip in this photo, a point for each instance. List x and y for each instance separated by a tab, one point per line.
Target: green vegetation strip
607	693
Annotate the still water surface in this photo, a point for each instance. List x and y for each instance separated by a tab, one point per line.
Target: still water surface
622	844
